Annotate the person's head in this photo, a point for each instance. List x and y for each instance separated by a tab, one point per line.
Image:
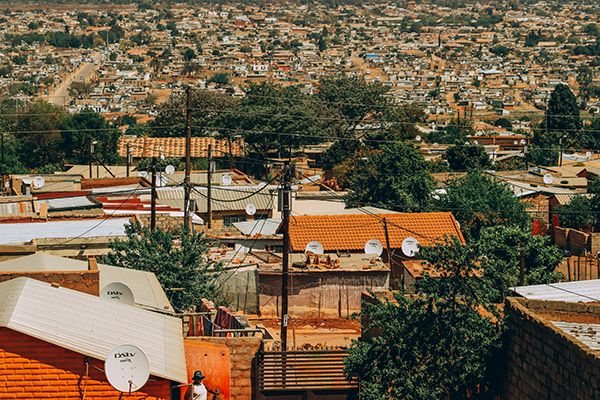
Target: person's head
197	378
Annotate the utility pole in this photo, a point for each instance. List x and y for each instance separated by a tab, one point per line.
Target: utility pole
128	158
522	266
91	152
560	155
209	188
187	187
153	197
285	216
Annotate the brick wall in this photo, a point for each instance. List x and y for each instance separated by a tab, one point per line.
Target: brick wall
82	281
242	351
543	362
561	236
578	241
33	369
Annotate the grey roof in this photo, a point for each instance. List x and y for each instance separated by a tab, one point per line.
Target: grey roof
146	289
223	198
583	291
92	326
71	203
263	227
588	334
42	262
85	228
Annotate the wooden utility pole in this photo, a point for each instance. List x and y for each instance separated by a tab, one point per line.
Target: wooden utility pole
91	153
285	216
187	187
209	188
522	266
153	197
128	158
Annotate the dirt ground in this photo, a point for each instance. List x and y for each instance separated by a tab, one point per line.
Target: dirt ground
313	333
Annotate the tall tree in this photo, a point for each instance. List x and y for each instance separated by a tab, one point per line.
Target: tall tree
395	177
206	107
463	157
273	118
437	344
81	129
477	201
185	265
562	120
37	129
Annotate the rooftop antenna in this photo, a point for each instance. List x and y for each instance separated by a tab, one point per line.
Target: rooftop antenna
548	179
374	246
410	246
250	209
127	368
38	182
119	292
314	247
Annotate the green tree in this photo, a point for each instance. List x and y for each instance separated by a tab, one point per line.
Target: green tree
189	54
435	345
206	107
501	247
577	214
477	201
562	120
395	177
462	157
81	129
220	79
584	79
272	118
183	265
39	138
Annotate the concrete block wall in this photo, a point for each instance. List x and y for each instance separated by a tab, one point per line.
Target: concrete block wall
33	369
543	362
242	353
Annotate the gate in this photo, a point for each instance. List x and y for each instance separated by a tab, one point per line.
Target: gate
303	375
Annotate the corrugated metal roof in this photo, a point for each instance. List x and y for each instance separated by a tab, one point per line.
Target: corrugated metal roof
146	289
564	199
588	334
92	326
143	147
267	227
70	203
583	291
223	198
85	228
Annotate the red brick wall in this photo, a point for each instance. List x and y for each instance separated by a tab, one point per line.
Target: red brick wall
84	281
33	369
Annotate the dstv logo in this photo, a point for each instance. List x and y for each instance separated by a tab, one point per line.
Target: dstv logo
114	293
125	355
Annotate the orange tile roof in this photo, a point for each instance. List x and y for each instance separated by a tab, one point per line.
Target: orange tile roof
352	231
142	147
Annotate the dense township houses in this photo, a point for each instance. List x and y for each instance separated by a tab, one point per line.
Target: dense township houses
487	60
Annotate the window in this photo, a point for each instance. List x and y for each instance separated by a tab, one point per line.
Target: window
228	220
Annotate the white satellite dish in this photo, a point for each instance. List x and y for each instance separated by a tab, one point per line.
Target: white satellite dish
475	142
38	182
250	209
523	142
374	246
418	138
410	246
588	154
119	292
548	179
169	170
144	174
314	247
127	368
26	180
226	180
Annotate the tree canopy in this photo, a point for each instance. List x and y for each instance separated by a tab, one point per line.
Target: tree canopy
395	177
180	264
478	201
